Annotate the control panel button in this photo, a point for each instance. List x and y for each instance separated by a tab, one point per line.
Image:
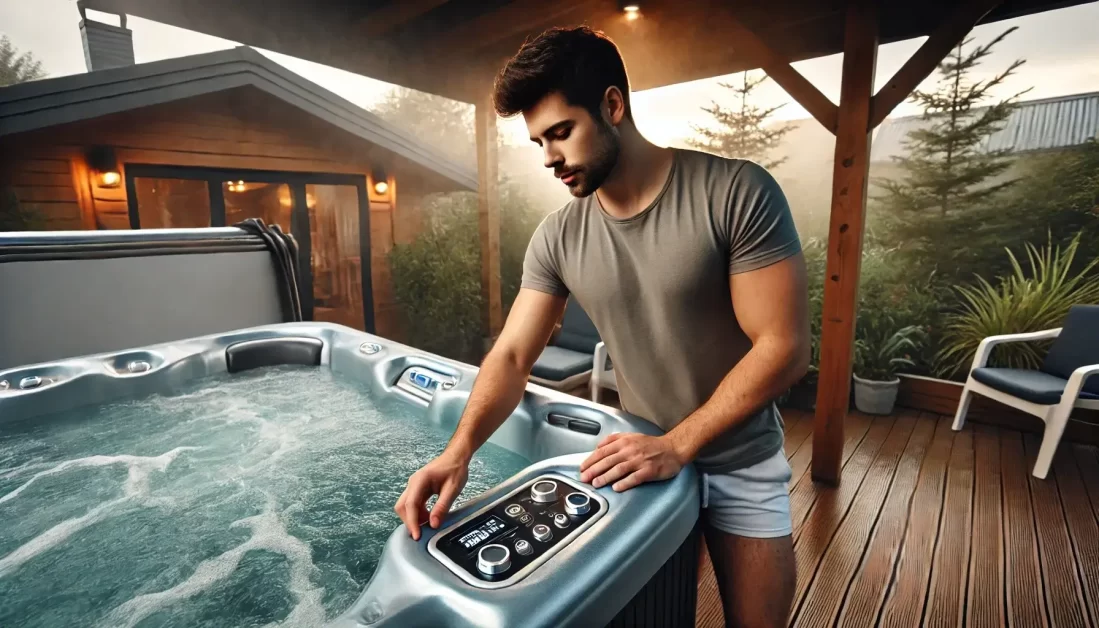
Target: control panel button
514	510
523	547
493	559
560	520
525	518
577	504
542	532
544	492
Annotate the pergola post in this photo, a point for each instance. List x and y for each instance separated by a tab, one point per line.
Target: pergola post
488	213
851	171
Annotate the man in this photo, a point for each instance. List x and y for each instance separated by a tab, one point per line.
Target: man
691	269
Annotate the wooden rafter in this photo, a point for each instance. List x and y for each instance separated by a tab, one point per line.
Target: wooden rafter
851	169
776	67
927	58
379	22
512	20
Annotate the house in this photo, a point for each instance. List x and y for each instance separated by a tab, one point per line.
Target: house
213	139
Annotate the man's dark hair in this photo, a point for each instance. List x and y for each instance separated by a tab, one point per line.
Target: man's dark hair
577	62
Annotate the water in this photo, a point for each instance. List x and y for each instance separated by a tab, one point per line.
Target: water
264	498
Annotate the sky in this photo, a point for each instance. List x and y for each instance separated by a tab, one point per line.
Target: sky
1060	48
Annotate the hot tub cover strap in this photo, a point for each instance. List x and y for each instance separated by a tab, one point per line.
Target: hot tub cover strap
285	250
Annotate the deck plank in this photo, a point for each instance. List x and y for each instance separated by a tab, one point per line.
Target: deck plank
1082	525
832	504
799	428
804	491
950	566
1064	595
905	600
867	591
826	593
985	606
1025	598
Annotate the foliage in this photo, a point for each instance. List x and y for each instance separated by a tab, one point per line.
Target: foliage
739	131
1021	302
878	359
16	67
16	217
437	277
442	123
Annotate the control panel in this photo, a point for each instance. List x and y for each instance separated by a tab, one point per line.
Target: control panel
423	382
508	539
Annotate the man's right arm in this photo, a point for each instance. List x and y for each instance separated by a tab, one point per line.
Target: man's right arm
496	392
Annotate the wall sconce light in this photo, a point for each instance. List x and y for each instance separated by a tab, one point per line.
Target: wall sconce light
381	181
104	165
631	8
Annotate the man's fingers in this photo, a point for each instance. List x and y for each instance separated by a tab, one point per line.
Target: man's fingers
610	438
634	479
442	505
601	466
616	473
600	452
410	506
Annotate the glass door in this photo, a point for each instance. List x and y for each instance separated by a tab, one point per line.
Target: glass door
328	215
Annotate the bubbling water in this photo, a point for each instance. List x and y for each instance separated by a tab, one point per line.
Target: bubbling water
264	498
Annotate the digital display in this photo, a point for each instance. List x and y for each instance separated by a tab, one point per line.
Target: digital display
481	533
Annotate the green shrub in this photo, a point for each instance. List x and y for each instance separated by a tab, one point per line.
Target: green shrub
17	217
437	277
879	359
1020	302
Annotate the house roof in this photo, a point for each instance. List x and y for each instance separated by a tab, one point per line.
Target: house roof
49	102
1034	125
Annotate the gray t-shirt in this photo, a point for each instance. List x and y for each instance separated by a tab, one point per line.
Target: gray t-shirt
656	285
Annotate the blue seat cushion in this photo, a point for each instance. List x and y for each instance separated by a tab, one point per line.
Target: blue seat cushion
1034	386
1078	345
557	364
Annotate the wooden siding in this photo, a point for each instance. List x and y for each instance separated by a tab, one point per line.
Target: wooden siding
931	527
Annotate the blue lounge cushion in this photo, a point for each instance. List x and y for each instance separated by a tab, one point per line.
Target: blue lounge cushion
578	332
1035	386
1078	345
557	364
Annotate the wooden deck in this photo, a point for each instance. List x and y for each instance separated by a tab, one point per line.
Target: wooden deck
936	528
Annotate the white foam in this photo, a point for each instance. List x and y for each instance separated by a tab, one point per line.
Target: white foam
10	472
269	534
139	468
56	535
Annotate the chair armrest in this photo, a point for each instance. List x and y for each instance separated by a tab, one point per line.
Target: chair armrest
599	358
984	350
1076	382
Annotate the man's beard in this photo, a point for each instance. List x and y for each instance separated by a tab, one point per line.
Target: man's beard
591	176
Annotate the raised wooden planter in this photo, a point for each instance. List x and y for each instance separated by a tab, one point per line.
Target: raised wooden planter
941	397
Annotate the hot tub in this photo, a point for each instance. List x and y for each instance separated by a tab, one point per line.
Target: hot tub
248	478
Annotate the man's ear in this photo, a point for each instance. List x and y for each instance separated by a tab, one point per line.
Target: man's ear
614	103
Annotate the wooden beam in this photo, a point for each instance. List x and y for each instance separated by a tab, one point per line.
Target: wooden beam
841	285
379	22
945	37
779	69
488	206
513	19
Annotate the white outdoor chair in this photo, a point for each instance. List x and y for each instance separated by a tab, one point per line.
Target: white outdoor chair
602	372
565	364
1051	392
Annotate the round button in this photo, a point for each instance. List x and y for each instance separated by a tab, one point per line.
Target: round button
577	504
493	559
523	547
542	532
514	510
544	492
560	520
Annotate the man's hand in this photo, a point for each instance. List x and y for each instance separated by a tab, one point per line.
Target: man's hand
444	476
626	460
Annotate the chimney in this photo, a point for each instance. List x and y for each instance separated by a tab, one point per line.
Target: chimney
105	45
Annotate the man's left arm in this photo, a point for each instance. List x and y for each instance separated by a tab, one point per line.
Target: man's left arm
771	307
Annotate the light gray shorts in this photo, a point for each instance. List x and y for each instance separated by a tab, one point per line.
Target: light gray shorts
752	502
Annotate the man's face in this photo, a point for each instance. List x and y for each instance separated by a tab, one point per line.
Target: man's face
581	149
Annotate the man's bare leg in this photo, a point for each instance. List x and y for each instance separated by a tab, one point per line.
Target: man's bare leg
756	578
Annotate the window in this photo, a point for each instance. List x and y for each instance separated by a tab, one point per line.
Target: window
172	203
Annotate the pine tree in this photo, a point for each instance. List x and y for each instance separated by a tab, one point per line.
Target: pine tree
739	131
946	166
15	67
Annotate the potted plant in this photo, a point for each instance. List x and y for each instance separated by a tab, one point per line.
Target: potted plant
876	364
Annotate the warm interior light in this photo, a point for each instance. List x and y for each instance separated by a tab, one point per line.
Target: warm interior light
632	11
381	187
109	179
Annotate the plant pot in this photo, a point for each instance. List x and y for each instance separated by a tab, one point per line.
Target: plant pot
874	397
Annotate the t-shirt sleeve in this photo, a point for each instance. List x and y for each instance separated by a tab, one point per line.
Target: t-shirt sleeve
760	226
540	269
